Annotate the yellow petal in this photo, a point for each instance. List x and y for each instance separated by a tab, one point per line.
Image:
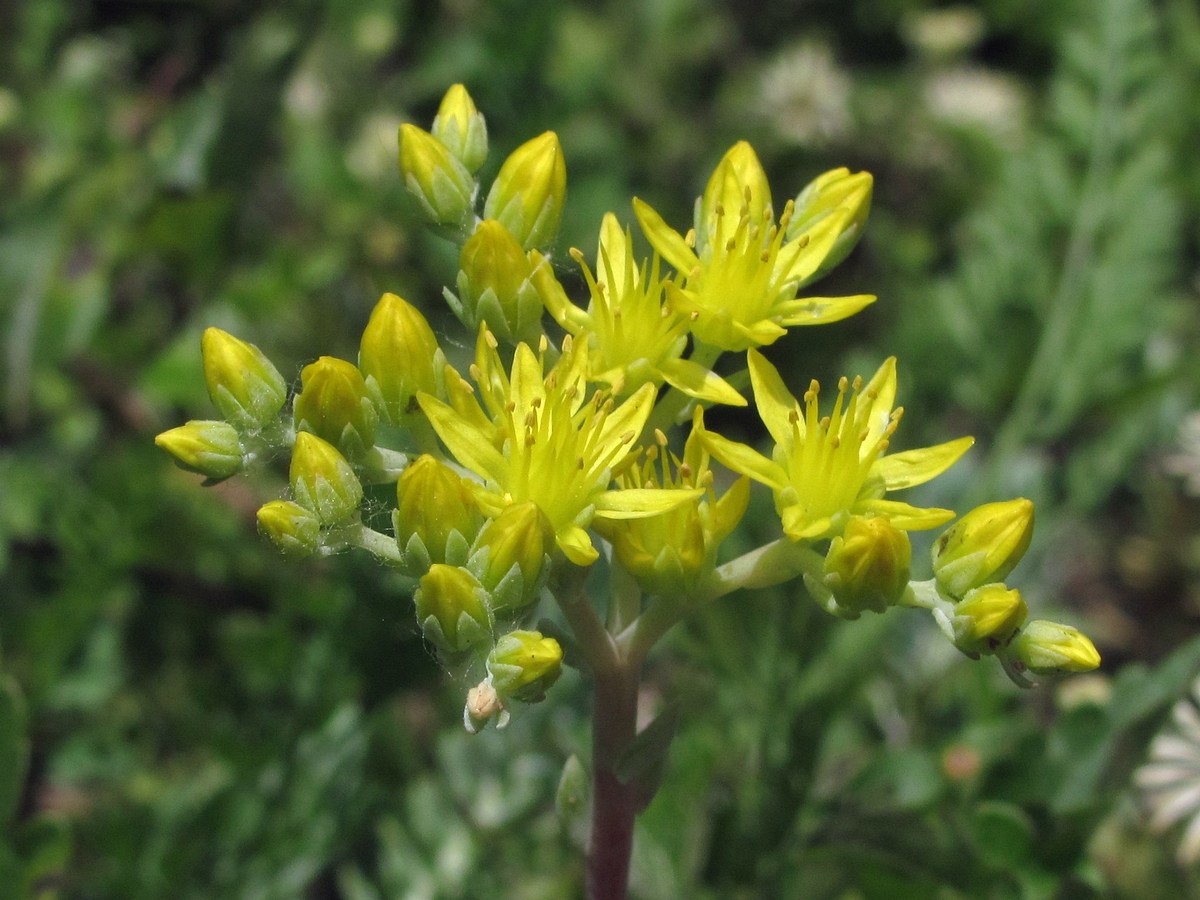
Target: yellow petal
554	297
776	404
821	310
526	385
468	445
697	381
629	417
577	545
641	503
912	467
819	239
745	461
905	516
799	527
666	240
883	386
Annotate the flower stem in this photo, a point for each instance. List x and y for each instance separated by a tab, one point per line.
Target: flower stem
614	802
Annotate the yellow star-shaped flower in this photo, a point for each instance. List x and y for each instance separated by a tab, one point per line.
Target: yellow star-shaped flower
824	470
741	271
539	436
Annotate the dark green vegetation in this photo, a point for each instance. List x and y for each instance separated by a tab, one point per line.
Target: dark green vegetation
184	714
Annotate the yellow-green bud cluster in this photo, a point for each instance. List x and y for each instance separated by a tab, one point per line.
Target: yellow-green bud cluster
333	404
452	607
442	186
987	618
460	127
1050	648
523	664
323	482
212	449
436	516
292	528
511	556
983	546
495	286
398	357
867	566
528	194
243	385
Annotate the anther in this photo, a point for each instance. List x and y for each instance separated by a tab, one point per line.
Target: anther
659	437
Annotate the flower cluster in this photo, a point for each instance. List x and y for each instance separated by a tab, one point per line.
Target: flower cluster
552	449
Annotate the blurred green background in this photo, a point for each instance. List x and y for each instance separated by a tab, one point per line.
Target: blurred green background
184	714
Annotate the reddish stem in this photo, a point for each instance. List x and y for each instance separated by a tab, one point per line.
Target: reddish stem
614	802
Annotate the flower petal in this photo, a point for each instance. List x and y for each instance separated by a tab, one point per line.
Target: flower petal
630	416
468	444
912	467
819	240
577	545
641	503
799	527
666	240
776	404
882	388
820	310
905	516
741	459
554	297
697	381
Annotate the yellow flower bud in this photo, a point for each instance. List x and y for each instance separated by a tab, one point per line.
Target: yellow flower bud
987	617
528	194
494	286
516	544
1047	648
293	529
835	191
441	185
867	566
452	608
436	515
523	664
738	187
398	357
243	384
322	480
333	404
983	546
209	448
460	127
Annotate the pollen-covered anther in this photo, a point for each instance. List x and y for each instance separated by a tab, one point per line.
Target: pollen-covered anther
626	437
858	383
581	464
844	383
794	415
476	375
731	245
690	238
685	472
659	437
543	344
576	254
491	339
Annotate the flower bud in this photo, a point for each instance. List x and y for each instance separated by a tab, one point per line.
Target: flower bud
333	404
835	190
209	448
483	704
322	480
494	286
523	664
243	384
460	127
512	549
436	515
1047	648
738	186
867	566
293	529
987	617
440	184
452	608
398	357
528	194
983	546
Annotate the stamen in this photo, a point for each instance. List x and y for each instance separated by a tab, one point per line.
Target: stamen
659	437
490	339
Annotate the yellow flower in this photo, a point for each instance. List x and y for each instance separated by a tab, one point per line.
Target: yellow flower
635	337
539	436
741	270
670	553
823	470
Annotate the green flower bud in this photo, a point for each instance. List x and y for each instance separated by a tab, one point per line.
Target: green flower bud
523	664
738	186
987	617
528	194
322	480
243	384
835	191
983	546
398	357
293	529
436	515
209	448
512	553
1048	648
867	566
440	184
494	286
333	404
452	608
460	127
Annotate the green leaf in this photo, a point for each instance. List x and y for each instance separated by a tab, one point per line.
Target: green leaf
14	747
